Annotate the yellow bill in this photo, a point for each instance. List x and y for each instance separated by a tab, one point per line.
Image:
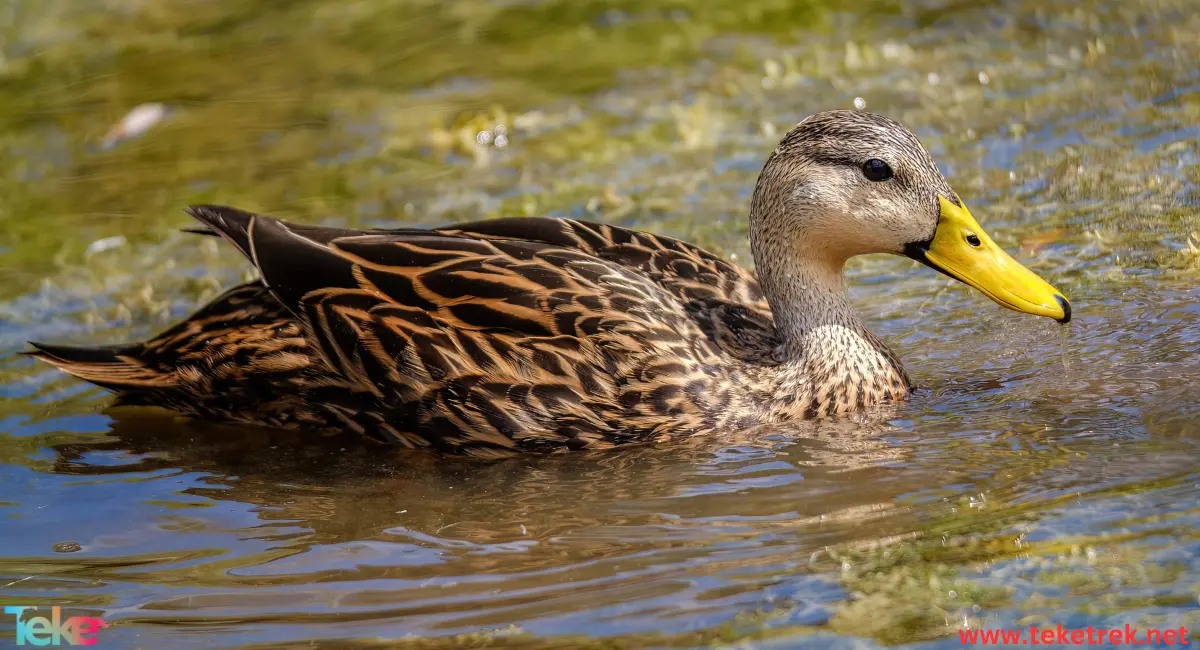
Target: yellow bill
961	249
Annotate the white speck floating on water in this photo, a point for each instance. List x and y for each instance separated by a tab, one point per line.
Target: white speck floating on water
860	103
135	123
106	244
984	78
933	78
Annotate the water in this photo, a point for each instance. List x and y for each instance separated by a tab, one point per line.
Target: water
1011	491
1065	330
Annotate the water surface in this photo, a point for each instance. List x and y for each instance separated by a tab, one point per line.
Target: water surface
1013	490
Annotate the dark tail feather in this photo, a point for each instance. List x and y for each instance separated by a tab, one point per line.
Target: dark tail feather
237	226
116	367
200	230
232	224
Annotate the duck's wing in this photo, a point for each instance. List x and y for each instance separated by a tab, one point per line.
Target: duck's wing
686	271
481	340
724	299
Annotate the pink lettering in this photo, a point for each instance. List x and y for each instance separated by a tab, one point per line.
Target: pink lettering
83	627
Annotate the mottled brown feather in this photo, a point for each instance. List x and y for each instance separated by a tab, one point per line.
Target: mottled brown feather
515	334
524	334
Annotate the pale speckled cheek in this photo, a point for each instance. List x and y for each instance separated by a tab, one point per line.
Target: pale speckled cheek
804	194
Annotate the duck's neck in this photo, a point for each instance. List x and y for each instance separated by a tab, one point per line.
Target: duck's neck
812	312
828	354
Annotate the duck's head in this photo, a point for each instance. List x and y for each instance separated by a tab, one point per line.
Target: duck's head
846	183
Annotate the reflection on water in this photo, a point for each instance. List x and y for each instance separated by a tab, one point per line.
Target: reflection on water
1033	480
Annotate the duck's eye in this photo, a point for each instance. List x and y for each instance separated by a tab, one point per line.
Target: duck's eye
973	240
877	170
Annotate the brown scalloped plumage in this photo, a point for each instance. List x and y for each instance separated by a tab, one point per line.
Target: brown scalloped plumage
525	334
528	334
486	338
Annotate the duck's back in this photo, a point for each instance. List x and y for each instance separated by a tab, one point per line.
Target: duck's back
481	338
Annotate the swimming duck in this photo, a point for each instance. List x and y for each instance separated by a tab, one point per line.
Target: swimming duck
541	334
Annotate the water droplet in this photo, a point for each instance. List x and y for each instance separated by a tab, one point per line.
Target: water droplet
484	138
952	594
501	140
984	78
933	78
1065	328
500	130
860	103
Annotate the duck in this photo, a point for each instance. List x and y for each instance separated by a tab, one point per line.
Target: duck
540	334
